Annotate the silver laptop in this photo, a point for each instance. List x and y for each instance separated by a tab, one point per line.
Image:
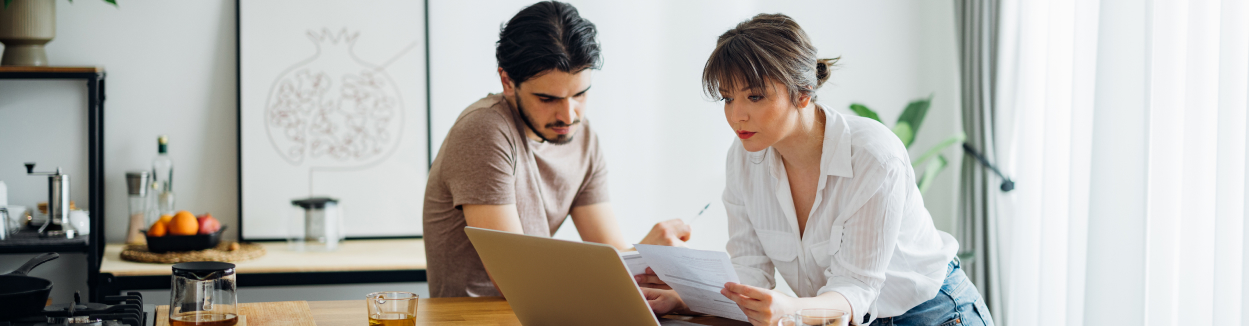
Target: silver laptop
558	282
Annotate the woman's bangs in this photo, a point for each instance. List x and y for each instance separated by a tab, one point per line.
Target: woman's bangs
733	66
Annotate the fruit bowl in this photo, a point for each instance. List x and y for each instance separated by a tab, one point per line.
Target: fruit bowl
184	242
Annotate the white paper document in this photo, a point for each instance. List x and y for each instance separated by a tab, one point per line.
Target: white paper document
697	275
633	260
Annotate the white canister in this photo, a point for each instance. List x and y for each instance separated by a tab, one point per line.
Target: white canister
81	221
314	224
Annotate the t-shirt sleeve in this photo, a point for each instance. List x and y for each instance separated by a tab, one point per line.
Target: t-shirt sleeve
480	161
594	188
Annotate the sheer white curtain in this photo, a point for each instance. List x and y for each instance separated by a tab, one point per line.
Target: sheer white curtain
1125	132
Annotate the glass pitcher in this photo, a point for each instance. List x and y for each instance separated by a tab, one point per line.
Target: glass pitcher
203	294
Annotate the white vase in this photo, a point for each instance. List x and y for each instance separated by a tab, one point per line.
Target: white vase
25	26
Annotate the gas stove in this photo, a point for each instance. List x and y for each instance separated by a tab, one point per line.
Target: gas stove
117	310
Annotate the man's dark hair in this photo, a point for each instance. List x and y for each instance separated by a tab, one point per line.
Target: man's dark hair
547	35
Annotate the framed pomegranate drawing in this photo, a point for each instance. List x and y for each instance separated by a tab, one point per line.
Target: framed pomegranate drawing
332	103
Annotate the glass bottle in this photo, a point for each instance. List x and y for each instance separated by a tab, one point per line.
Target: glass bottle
162	177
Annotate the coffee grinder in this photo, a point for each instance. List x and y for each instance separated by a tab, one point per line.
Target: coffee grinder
58	204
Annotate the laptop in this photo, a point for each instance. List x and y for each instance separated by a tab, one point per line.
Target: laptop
558	282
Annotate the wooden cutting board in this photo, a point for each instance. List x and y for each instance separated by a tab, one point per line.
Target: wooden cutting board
260	314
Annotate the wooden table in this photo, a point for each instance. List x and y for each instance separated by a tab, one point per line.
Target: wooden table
355	261
440	311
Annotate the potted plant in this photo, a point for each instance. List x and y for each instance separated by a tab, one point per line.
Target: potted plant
25	26
906	128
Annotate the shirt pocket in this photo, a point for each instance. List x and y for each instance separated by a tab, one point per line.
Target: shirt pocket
778	246
824	250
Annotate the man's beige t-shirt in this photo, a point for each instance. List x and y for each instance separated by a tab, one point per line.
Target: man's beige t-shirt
486	159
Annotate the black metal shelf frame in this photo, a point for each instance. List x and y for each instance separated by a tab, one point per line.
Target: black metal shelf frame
95	170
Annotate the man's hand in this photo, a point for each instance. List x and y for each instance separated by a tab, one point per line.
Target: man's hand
650	280
672	232
663	302
762	306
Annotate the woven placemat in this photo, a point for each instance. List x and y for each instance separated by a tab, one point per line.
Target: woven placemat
222	253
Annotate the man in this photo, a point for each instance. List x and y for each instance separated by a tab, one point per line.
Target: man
524	160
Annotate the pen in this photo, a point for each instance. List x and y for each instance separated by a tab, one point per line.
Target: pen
700	213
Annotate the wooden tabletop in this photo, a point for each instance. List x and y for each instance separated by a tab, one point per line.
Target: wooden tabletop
352	255
440	311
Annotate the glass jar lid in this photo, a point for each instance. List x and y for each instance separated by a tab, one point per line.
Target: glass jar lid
203	270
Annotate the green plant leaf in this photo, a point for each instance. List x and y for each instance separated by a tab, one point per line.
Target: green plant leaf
904	132
930	173
859	109
957	138
914	113
6	3
114	2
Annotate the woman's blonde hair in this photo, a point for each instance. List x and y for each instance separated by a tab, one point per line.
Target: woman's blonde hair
766	47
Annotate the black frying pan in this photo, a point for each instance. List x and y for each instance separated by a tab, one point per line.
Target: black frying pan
22	295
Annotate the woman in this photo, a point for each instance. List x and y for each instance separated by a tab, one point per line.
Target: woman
828	200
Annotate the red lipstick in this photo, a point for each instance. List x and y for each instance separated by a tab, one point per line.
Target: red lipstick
744	134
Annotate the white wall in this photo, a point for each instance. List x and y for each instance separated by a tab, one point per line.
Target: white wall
172	71
665	142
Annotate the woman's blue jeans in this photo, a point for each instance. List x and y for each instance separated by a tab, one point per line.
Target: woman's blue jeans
958	303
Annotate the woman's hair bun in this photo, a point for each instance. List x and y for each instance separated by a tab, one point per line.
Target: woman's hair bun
823	69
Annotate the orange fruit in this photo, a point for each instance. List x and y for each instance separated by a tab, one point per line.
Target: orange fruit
184	223
166	218
156	230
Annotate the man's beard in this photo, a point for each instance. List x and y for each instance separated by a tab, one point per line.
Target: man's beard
559	139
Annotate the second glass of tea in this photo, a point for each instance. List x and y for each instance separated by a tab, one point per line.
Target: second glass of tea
392	308
816	317
203	294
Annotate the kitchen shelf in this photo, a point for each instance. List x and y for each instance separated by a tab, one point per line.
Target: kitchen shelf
25	242
94	242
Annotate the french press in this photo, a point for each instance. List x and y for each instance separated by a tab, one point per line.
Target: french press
58	204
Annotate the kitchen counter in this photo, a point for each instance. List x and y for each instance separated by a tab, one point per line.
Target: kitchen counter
355	261
440	311
352	255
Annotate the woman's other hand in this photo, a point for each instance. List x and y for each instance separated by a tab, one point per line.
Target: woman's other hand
650	280
762	306
663	302
672	232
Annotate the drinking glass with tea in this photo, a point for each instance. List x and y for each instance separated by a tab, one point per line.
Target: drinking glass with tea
816	317
203	294
392	308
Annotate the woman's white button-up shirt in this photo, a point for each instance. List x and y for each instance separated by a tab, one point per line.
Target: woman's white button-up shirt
868	237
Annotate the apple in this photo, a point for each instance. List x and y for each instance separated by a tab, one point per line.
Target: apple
208	224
